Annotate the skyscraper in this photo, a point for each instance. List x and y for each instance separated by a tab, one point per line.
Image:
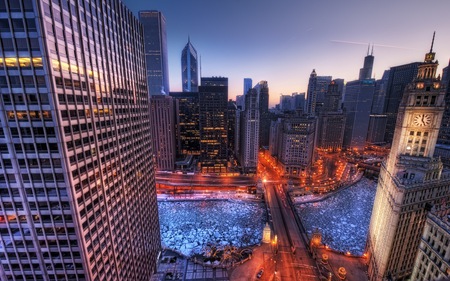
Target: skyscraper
213	104
399	77
317	87
155	38
330	128
411	180
262	88
77	186
357	105
189	68
249	133
187	123
163	131
247	85
444	132
366	71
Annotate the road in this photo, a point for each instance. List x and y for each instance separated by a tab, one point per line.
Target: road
199	180
284	263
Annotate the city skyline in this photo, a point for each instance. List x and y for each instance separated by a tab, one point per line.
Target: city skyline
264	40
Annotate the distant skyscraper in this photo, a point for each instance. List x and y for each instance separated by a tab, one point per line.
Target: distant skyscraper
299	101
357	105
187	123
262	88
77	184
399	77
377	119
156	54
213	104
249	133
330	128
366	71
379	95
287	103
247	85
163	131
411	180
317	87
232	126
189	68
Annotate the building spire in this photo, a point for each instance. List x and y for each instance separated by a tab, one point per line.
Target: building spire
432	42
368	49
372	50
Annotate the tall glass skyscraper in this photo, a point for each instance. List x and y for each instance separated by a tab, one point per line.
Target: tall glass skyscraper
77	186
189	68
156	54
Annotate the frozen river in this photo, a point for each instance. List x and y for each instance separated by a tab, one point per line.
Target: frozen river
343	219
188	226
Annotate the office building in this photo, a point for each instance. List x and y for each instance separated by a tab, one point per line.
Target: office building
433	257
77	184
247	85
262	88
155	38
366	71
249	133
330	128
189	68
317	87
444	132
296	145
162	121
399	77
376	129
357	105
411	179
187	132
232	126
213	106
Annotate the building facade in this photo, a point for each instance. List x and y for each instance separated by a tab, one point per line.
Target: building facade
433	257
296	149
249	133
399	77
187	132
77	185
162	120
317	87
331	125
213	104
155	37
262	88
411	180
189	68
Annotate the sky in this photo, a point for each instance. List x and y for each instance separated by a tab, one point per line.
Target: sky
282	41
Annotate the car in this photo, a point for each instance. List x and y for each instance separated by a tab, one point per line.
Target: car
260	273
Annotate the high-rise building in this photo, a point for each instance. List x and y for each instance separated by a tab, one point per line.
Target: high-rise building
163	131
262	88
399	77
299	102
366	71
330	128
189	68
247	85
377	119
297	144
432	260
213	103
317	87
287	103
357	105
77	184
187	133
232	126
155	38
249	127
444	132
411	179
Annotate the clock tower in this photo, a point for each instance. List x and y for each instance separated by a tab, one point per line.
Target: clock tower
411	179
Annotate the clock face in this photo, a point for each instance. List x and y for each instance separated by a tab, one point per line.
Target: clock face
422	120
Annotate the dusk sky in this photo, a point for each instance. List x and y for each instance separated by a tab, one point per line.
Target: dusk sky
283	41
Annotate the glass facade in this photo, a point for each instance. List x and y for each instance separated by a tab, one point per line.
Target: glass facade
77	188
189	68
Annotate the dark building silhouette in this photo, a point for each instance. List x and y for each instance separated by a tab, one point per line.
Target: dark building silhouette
262	88
399	77
249	133
366	71
156	54
317	87
187	123
213	107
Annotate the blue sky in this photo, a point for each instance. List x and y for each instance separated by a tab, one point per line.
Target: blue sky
282	41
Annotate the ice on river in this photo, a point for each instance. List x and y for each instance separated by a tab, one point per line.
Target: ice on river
343	219
188	226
